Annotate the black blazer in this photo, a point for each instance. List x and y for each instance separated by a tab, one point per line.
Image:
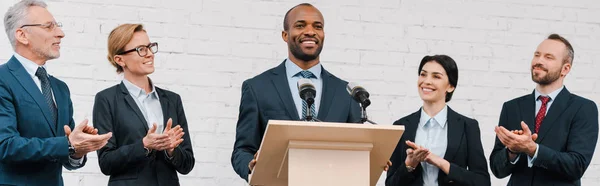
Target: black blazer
124	157
268	97
464	152
567	140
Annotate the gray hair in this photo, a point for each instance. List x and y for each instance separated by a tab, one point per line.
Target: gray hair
15	16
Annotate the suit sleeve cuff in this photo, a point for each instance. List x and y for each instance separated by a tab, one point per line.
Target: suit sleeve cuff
508	157
75	162
530	160
170	157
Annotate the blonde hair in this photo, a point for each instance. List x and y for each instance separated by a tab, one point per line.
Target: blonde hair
118	39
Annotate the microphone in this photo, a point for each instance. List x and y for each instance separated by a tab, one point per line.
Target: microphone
307	92
359	94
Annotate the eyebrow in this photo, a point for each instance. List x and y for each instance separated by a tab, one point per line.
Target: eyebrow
303	21
544	54
432	72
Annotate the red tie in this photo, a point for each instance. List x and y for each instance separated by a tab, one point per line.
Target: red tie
541	113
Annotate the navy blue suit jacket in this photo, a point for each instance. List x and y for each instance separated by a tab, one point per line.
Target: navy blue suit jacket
32	149
567	140
268	97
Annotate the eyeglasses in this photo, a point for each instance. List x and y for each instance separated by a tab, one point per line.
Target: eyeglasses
143	50
49	25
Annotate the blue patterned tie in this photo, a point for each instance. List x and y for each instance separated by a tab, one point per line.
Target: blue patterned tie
308	75
47	91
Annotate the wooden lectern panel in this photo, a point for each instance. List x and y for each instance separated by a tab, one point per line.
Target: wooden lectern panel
271	156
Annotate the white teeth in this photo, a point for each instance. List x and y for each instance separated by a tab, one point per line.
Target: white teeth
309	42
427	90
148	63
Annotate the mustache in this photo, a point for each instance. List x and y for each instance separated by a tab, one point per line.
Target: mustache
317	41
540	66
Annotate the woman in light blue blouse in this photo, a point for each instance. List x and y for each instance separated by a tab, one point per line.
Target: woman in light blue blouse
439	146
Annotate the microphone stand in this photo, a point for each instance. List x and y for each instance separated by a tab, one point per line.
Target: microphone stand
309	116
363	115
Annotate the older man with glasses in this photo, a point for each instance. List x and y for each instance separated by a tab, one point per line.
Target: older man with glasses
37	132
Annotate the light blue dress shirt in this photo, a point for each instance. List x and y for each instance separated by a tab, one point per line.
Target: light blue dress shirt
292	69
432	133
538	105
148	103
31	67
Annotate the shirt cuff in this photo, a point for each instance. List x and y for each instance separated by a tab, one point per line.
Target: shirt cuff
167	155
531	159
75	162
516	159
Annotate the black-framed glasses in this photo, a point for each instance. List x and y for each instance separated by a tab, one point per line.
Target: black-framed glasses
143	50
49	25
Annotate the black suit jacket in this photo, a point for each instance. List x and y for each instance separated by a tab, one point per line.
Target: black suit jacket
124	157
268	97
567	140
464	152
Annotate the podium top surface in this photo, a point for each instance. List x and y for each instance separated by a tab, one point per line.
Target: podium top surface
275	141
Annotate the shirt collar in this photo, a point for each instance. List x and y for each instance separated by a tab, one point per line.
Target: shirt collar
137	91
292	69
552	95
440	118
30	66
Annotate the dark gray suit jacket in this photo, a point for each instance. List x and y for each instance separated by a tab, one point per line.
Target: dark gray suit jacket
268	97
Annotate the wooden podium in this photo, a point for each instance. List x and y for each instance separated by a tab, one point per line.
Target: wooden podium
294	153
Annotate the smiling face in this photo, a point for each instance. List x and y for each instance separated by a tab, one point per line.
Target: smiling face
433	83
42	41
132	62
548	63
305	35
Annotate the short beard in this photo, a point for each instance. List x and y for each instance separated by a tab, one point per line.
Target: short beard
45	55
299	54
550	77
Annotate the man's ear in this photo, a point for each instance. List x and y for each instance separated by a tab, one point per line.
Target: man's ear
284	36
21	36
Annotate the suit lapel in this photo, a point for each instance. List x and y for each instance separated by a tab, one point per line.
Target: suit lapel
279	79
61	104
327	96
556	109
527	106
456	128
131	103
164	104
410	131
26	81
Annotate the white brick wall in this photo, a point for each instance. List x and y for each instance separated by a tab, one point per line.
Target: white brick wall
208	47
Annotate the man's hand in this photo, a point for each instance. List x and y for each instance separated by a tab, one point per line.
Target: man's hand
85	141
252	162
387	166
517	142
